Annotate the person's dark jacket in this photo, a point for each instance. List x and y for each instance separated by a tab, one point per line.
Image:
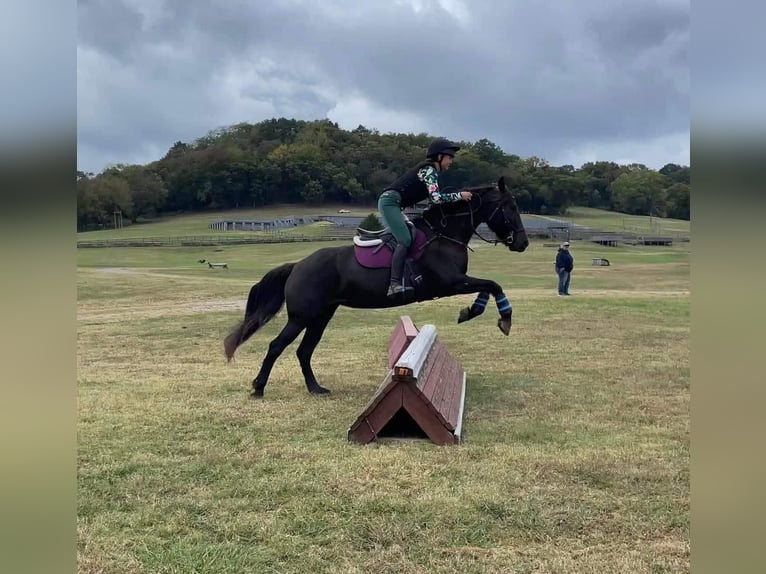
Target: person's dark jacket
564	260
419	183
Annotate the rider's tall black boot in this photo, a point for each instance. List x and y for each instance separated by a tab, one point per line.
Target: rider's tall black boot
397	270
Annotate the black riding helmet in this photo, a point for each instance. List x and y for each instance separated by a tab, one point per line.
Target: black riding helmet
441	146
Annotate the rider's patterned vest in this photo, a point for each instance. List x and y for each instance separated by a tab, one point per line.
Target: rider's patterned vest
410	187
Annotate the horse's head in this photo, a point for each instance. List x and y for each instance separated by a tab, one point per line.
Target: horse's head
496	206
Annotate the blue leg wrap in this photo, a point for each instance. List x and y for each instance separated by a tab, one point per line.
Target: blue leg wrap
481	303
503	305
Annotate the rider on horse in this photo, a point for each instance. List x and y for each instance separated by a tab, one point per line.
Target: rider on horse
416	184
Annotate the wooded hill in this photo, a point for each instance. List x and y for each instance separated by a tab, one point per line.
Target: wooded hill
314	162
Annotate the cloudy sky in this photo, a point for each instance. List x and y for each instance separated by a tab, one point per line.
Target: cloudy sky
566	81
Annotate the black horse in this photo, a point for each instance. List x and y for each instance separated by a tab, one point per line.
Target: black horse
315	286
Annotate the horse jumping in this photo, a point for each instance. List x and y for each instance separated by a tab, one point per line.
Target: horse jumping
314	287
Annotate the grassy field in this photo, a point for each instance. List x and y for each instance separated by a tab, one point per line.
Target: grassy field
576	452
197	223
614	221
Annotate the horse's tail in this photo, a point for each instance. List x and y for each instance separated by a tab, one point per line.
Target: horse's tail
265	300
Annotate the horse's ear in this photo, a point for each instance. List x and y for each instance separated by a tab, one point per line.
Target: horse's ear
501	183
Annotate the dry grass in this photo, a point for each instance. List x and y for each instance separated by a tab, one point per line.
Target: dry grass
576	451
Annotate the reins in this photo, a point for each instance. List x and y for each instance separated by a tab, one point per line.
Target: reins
470	213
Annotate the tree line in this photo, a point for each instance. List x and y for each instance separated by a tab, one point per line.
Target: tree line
315	162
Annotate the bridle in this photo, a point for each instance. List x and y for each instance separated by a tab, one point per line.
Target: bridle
508	240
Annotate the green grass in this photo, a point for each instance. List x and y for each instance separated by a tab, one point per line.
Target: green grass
615	221
576	452
197	223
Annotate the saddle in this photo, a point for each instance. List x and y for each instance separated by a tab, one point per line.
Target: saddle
374	249
379	238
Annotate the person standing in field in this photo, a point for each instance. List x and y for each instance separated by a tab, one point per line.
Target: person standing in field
564	266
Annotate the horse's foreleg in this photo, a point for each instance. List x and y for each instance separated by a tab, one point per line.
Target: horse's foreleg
314	332
476	308
483	287
276	347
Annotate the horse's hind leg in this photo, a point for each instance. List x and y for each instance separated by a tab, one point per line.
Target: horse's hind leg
276	347
476	309
314	332
469	284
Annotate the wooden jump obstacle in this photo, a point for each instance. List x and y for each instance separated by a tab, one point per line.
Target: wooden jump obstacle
423	394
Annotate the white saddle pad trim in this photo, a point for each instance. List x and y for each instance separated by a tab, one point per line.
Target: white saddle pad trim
366	242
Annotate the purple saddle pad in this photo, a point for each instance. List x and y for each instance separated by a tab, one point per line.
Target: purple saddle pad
379	256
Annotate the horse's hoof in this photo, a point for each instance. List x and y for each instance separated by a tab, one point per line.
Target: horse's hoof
504	323
256	394
319	390
465	315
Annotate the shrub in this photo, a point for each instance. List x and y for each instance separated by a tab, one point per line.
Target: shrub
371	223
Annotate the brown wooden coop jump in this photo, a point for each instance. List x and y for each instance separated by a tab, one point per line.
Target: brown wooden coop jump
423	394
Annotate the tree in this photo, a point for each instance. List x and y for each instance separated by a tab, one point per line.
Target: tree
676	173
489	152
100	197
284	160
597	180
640	192
312	192
371	223
678	196
177	149
147	190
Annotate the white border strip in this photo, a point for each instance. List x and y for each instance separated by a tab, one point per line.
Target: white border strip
459	426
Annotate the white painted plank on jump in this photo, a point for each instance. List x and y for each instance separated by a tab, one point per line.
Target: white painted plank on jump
415	356
459	426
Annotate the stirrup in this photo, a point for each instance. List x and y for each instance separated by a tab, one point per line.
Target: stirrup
398	289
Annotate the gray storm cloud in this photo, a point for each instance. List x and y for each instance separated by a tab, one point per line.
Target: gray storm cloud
568	82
